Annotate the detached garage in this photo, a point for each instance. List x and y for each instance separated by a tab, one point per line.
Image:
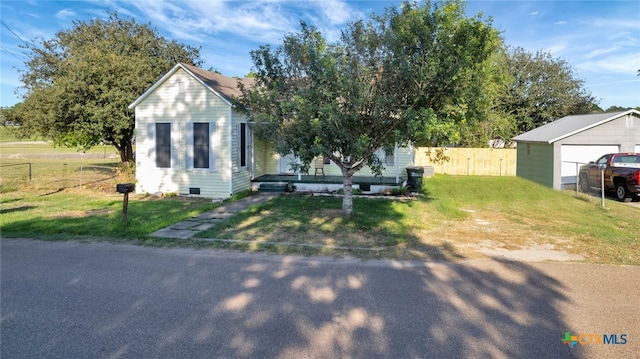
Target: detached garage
551	154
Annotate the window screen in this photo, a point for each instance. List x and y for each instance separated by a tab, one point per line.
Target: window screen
243	144
201	145
163	145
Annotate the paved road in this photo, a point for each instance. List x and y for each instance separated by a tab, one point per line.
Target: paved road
98	300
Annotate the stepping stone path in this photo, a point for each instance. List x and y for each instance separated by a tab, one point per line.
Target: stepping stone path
188	228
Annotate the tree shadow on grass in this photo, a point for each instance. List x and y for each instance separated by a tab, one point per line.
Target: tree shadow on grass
102	220
377	228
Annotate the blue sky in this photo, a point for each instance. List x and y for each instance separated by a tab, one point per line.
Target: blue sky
599	39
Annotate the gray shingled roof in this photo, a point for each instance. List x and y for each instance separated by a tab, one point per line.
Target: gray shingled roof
569	125
223	85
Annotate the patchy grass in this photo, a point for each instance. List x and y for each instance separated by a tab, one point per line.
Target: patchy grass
306	219
55	175
457	215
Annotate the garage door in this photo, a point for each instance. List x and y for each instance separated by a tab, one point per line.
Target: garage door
573	156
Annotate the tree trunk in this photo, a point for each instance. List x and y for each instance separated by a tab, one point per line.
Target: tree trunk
126	150
347	199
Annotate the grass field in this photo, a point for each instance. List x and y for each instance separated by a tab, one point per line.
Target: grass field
37	165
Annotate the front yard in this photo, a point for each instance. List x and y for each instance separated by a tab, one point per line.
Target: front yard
457	217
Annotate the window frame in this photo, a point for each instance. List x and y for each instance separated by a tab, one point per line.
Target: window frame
243	145
384	158
190	146
201	146
163	151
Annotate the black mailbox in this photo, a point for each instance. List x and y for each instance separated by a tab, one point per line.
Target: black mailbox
125	187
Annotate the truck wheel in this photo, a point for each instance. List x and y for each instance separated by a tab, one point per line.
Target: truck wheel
622	193
584	184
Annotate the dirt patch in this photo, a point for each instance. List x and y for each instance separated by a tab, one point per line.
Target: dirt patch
80	214
495	235
530	253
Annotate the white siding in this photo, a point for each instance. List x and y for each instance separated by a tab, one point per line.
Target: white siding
195	104
403	157
241	175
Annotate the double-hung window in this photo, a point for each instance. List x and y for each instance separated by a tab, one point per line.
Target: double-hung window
243	148
163	145
200	144
386	159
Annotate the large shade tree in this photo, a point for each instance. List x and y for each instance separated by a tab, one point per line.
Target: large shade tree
521	91
542	89
79	84
394	79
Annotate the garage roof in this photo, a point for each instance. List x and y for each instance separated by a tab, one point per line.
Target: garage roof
568	126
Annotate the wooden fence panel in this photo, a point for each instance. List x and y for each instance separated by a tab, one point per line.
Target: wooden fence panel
472	161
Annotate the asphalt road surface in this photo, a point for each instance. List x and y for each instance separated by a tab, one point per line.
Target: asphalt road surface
99	300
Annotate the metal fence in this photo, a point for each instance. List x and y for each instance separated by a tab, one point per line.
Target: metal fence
57	175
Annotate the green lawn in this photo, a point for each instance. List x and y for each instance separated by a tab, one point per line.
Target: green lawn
74	213
455	215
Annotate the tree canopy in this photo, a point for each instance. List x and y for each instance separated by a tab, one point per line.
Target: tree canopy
79	84
543	89
398	78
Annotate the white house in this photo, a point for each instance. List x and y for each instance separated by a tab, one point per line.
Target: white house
191	140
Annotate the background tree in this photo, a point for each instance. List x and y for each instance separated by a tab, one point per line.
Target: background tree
543	89
489	125
395	79
79	84
617	108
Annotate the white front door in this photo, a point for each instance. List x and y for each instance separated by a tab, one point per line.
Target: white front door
285	164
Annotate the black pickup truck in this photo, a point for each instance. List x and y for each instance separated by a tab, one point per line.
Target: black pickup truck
621	174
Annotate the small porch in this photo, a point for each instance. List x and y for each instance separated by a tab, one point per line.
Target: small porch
323	183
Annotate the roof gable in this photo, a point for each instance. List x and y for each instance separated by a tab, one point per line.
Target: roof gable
570	125
222	86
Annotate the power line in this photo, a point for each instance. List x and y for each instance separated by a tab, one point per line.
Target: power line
11	52
14	34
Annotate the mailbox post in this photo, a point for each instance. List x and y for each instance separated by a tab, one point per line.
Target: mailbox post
125	188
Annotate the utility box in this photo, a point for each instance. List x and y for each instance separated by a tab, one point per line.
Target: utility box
414	177
125	187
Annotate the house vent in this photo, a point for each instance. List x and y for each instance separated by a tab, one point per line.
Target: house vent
629	121
194	190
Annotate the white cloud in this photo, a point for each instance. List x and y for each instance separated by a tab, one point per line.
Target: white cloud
602	51
534	13
65	14
264	21
335	11
560	22
615	63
